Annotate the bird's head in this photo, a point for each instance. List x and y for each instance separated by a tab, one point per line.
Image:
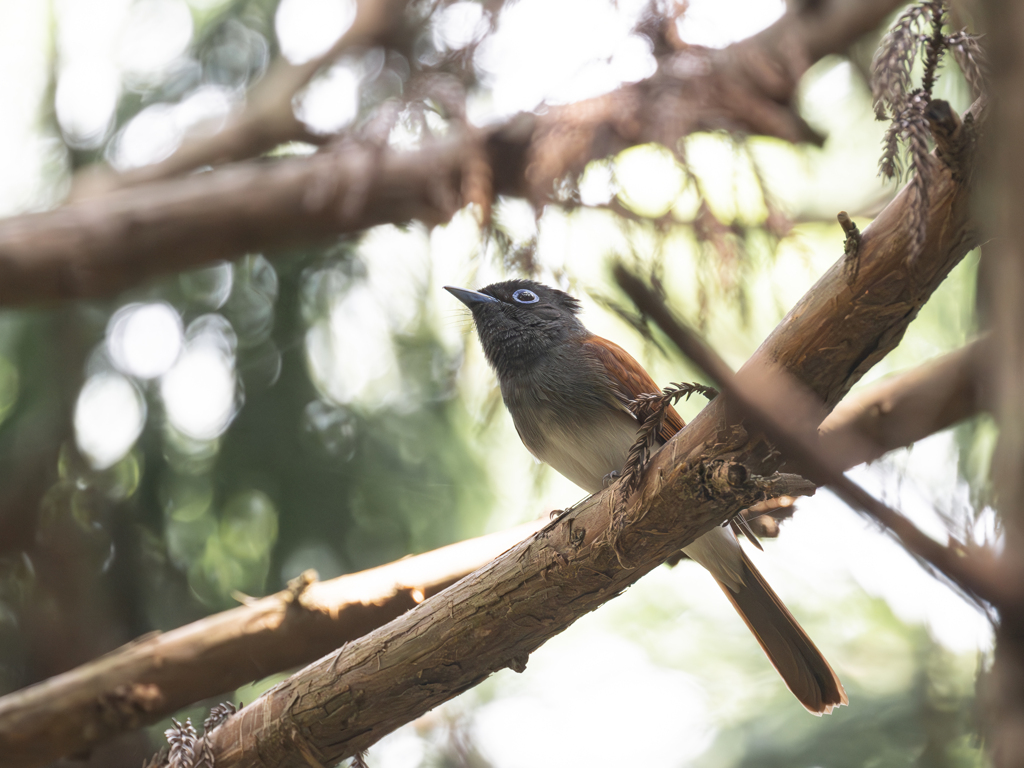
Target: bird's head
520	320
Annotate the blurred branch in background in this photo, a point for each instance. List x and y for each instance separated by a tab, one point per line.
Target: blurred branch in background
907	407
96	246
104	244
156	675
268	118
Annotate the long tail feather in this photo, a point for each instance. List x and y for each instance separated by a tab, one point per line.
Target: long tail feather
785	643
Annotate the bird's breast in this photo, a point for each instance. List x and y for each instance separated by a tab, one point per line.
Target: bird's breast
571	427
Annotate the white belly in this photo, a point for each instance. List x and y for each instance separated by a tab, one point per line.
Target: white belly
584	453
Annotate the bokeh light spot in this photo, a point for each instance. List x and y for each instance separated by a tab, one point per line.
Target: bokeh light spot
156	131
307	28
330	102
458	25
209	286
148	138
85	101
144	340
109	417
156	32
248	527
649	179
703	23
199	391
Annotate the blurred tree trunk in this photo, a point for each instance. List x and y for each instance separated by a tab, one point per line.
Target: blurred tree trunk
1001	202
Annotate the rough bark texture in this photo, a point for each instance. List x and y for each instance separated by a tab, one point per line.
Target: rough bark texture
496	617
102	244
158	674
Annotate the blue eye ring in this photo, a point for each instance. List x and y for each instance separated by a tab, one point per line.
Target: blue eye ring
526	296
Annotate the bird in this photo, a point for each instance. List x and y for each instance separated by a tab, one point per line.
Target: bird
568	392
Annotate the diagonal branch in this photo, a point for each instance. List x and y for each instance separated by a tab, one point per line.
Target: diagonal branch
156	675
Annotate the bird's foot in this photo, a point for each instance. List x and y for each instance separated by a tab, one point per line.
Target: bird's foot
610	478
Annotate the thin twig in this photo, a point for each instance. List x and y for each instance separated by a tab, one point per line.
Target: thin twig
851	246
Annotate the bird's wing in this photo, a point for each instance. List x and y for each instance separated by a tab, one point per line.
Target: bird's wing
631	379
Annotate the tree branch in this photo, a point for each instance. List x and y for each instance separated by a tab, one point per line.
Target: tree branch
907	407
98	246
158	674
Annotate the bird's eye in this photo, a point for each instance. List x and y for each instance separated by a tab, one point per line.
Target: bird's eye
524	296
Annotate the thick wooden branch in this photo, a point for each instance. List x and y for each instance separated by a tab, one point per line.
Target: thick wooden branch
102	244
494	619
156	675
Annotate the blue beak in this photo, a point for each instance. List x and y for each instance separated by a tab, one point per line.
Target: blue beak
469	298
